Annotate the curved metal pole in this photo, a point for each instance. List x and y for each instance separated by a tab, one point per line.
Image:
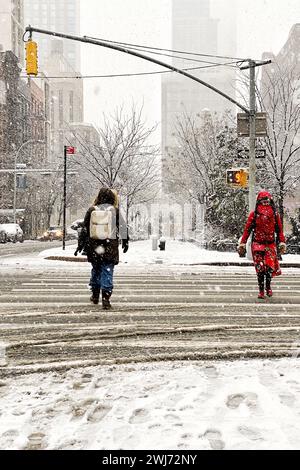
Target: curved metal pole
98	42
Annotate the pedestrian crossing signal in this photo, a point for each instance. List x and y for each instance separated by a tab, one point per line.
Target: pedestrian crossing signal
31	58
237	177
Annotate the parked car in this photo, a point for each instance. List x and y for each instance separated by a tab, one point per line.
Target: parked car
71	234
55	232
77	224
11	233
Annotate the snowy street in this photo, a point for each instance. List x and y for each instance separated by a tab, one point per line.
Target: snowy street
159	359
169	310
168	405
149	230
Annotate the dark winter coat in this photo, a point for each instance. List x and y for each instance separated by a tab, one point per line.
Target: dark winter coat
103	250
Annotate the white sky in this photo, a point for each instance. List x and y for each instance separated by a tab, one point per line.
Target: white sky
263	25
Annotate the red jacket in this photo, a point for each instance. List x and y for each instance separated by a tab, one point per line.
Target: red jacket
265	223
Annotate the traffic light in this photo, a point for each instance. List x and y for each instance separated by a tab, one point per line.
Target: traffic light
31	58
237	177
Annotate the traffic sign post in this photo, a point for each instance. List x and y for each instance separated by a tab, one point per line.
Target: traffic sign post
67	151
244	153
243	125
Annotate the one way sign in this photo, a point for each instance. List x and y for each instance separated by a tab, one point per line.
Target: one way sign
244	153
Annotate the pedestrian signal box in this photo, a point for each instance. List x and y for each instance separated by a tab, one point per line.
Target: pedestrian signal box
31	58
237	177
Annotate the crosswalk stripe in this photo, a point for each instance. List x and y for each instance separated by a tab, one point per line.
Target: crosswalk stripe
48	322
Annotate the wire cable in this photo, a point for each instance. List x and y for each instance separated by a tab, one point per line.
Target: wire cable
229	64
168	50
122	74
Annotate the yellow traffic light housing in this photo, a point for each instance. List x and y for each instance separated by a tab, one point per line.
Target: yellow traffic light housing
31	58
237	177
244	175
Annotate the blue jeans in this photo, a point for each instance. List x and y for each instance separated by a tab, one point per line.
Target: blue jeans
102	276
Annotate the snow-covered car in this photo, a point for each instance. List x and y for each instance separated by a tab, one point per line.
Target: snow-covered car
71	234
11	233
76	224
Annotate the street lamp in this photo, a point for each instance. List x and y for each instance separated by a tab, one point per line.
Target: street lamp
15	172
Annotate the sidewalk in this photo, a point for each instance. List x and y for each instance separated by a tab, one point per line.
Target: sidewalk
176	253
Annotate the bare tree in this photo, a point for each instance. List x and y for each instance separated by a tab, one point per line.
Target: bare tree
279	98
123	159
206	147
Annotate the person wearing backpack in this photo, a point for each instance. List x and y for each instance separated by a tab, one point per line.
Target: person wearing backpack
265	225
104	227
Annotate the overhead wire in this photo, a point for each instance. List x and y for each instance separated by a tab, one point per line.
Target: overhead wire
182	58
168	50
123	74
152	50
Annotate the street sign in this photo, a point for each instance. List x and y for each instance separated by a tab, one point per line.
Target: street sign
260	125
260	153
70	150
244	153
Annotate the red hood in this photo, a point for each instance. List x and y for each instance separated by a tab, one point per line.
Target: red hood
263	194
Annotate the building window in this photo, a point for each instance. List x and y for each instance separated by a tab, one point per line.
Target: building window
61	108
71	106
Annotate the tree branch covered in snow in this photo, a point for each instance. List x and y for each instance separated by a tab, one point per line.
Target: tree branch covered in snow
122	159
279	98
206	147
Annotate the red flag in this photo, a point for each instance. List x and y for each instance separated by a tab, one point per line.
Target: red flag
70	150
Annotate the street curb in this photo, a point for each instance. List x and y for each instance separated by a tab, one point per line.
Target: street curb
208	263
236	263
67	258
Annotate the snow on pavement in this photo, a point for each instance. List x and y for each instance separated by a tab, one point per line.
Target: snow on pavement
251	404
198	405
140	253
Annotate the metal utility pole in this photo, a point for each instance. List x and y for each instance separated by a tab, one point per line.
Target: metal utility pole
251	113
252	138
67	151
65	197
252	129
110	45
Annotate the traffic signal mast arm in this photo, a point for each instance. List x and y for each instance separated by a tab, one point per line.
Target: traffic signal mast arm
109	45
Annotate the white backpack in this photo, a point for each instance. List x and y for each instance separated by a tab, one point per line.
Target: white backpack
102	223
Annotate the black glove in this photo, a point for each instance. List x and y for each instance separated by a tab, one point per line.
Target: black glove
125	245
242	250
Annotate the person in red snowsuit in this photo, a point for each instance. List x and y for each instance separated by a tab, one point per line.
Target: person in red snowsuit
266	227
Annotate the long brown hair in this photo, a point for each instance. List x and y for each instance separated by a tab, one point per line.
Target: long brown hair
105	196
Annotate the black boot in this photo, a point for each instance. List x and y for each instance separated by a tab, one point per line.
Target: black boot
268	283
95	295
261	285
105	300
